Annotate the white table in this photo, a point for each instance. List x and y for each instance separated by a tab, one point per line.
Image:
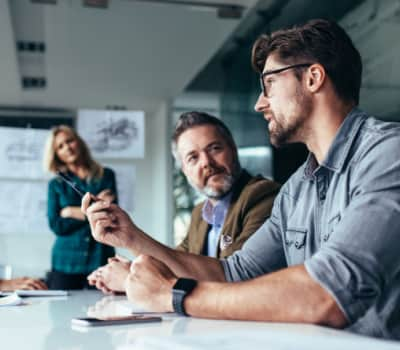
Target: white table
45	323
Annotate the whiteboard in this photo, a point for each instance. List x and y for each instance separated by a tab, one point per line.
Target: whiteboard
112	134
23	207
21	153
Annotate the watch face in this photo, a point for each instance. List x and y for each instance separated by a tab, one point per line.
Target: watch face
185	284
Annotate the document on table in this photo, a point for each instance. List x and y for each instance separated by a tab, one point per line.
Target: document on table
11	300
37	293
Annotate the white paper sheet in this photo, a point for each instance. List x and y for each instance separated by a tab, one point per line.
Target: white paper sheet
11	300
23	207
113	134
21	153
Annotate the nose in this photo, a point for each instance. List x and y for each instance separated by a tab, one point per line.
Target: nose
205	159
261	104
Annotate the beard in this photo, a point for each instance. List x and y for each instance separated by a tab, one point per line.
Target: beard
225	184
290	129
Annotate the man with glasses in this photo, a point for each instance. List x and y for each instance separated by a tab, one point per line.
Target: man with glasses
328	254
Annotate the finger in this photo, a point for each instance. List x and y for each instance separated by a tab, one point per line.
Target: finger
121	258
34	284
41	285
97	206
106	290
102	215
92	274
103	226
28	285
86	199
99	284
92	278
106	192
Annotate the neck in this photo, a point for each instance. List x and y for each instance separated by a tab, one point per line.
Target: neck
324	124
78	170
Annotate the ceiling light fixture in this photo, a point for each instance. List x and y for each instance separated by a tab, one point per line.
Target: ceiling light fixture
223	10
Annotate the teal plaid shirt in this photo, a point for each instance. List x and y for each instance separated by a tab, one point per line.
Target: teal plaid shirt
75	250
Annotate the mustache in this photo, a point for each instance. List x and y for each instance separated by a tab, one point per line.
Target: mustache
210	171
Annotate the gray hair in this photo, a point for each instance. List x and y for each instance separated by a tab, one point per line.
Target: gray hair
193	119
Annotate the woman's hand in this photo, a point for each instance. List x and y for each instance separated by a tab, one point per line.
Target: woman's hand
22	283
72	213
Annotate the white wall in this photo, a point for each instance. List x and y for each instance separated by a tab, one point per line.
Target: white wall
29	254
153	192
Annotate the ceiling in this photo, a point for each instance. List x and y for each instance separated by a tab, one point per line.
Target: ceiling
374	26
137	54
130	54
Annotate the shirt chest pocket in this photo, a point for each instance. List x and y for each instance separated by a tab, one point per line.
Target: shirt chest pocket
295	242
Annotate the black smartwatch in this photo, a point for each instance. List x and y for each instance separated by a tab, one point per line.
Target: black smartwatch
180	290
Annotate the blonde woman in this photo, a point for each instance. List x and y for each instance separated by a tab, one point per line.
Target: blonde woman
75	254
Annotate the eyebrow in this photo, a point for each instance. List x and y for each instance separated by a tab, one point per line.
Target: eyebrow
212	143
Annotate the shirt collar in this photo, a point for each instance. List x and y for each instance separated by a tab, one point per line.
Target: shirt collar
340	147
215	214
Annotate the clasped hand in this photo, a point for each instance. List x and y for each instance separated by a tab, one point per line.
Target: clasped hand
150	283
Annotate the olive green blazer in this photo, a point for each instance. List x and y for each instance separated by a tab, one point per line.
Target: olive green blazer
250	207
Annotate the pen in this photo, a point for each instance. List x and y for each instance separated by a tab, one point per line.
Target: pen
70	182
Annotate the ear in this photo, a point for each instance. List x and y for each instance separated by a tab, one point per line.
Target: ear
316	76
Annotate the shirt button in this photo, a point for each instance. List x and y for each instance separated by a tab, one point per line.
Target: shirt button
87	239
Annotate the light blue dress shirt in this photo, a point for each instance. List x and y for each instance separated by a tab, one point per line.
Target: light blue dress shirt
341	219
215	216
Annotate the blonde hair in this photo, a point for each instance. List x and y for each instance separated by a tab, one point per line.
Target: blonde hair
52	163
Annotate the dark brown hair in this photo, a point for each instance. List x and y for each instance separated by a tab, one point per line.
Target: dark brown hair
318	41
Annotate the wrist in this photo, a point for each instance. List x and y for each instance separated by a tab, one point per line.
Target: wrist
180	290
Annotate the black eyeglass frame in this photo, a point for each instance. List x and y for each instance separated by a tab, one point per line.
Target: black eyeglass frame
279	70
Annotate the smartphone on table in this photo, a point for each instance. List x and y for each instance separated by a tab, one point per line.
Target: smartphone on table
94	322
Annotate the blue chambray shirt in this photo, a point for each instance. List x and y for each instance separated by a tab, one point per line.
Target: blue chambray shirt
341	219
215	216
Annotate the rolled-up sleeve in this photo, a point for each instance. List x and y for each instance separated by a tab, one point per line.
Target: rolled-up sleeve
262	253
361	257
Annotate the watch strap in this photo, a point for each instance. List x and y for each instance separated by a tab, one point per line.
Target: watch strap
179	294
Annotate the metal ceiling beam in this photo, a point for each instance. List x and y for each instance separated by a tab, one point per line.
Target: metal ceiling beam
224	10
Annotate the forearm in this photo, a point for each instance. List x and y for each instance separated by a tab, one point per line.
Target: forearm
289	295
73	213
181	263
3	284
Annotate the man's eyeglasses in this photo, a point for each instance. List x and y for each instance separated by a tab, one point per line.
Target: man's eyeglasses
265	85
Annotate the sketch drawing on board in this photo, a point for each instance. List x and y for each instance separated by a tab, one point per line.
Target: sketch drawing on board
22	151
115	135
112	134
